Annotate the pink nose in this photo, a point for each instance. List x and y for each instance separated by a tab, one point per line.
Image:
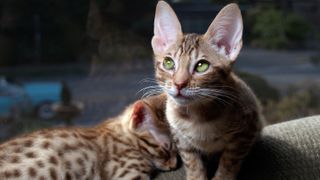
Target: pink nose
180	85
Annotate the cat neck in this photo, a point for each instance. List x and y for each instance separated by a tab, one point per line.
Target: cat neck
204	109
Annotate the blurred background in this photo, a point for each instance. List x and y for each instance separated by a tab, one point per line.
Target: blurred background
77	62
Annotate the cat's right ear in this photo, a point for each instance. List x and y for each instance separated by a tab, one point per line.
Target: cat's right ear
167	28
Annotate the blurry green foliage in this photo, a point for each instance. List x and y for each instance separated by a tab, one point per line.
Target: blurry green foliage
272	28
268	29
296	28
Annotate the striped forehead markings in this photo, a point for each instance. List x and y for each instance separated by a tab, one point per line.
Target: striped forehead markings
190	44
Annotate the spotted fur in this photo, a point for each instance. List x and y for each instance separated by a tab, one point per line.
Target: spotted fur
212	111
129	146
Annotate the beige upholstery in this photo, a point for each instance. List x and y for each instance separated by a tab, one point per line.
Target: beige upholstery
286	151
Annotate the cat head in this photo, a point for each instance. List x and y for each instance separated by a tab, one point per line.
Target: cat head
194	67
148	123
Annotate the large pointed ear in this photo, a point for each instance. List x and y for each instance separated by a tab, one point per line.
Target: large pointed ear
167	28
225	32
144	119
138	116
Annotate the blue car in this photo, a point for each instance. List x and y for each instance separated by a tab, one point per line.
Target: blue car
35	96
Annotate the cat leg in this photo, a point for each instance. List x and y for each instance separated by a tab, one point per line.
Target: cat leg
233	155
193	165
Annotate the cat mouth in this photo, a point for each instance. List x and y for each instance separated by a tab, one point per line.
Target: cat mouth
181	96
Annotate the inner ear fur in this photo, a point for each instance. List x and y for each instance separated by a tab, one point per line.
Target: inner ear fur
138	115
225	32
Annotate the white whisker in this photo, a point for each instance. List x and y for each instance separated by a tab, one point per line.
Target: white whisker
223	94
148	80
150	91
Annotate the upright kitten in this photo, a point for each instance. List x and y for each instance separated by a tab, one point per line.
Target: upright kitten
129	146
209	108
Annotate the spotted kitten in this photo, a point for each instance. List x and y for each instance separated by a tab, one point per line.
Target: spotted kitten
127	147
209	108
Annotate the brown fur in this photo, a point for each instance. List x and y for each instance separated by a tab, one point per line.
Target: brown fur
228	121
115	149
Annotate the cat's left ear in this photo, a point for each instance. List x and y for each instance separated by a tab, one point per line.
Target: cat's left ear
144	119
138	116
225	32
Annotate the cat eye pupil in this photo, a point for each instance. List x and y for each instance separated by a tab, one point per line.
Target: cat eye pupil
202	66
168	63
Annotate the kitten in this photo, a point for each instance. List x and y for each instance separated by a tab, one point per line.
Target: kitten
209	108
129	146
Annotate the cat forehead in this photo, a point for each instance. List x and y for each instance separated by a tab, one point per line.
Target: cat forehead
188	43
194	46
191	41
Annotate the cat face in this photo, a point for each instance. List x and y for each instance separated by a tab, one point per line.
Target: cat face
148	123
166	158
192	68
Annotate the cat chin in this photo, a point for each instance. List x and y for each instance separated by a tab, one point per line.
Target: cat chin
181	101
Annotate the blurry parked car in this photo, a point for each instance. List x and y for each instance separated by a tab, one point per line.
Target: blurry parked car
29	97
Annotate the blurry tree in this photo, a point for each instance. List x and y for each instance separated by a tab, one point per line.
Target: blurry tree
42	31
120	30
273	28
296	28
55	31
268	29
8	24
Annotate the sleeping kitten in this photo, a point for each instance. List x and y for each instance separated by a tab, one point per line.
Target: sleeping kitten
209	108
129	146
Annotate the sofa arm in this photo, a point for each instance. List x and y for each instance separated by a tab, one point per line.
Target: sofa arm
288	150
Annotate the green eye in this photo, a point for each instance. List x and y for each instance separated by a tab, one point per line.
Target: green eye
202	66
168	63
